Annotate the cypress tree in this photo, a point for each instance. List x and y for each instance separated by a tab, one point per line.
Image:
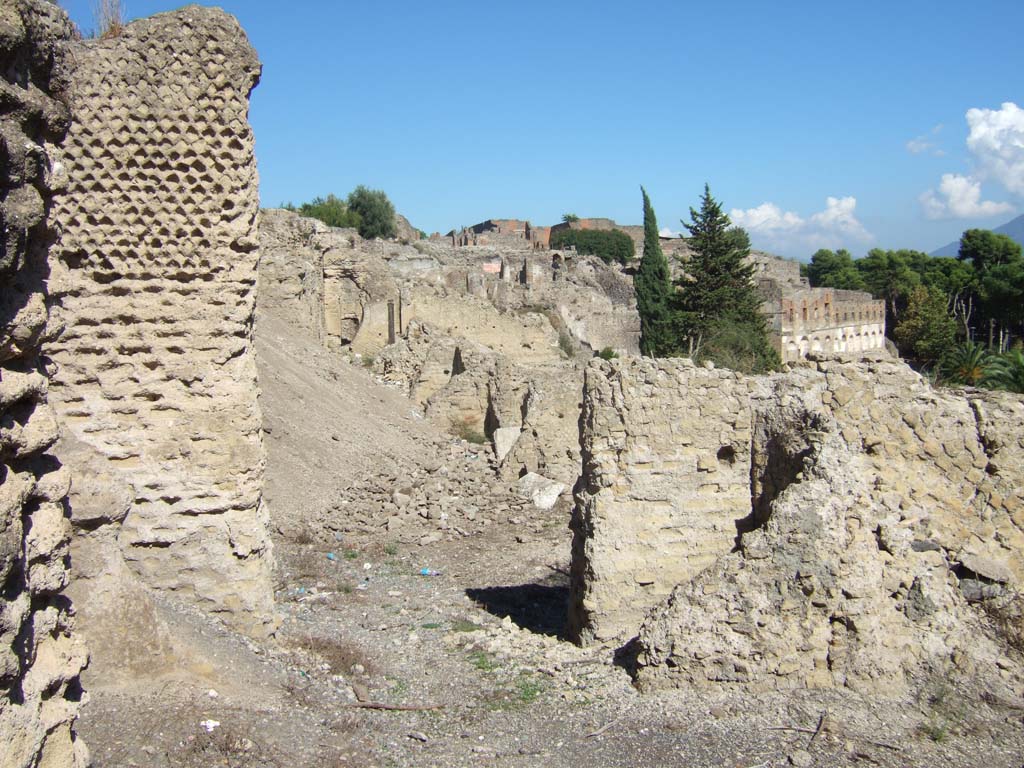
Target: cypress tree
717	308
653	291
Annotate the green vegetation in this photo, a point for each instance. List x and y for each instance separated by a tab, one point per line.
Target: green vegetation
926	329
367	210
606	354
465	625
716	310
375	211
956	316
982	289
570	218
653	291
611	245
965	364
483	661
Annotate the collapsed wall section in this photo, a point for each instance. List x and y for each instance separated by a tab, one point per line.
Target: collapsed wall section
155	276
40	657
878	511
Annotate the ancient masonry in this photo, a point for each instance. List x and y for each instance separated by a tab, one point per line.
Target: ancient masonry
154	276
830	526
805	320
40	658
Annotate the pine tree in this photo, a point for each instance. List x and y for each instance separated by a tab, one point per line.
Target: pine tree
653	291
717	310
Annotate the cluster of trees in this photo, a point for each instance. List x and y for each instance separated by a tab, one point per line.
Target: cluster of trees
712	312
942	310
367	210
610	245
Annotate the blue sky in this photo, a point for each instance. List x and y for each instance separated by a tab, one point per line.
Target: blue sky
889	124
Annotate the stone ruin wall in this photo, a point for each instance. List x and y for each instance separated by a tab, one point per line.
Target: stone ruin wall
154	274
637	529
864	513
826	320
346	283
40	656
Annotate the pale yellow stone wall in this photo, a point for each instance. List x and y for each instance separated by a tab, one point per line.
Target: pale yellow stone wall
868	511
155	276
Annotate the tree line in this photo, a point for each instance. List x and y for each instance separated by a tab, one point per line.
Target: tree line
367	210
960	319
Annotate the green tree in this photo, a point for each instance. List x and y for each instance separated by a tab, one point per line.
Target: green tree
837	269
570	218
889	276
926	332
653	291
986	249
375	211
717	308
998	267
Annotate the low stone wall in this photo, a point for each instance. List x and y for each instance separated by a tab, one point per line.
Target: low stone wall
155	279
867	511
40	657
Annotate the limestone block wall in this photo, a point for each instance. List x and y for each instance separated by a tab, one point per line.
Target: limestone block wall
875	510
40	656
666	478
155	277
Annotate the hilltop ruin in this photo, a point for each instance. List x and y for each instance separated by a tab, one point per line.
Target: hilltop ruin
840	525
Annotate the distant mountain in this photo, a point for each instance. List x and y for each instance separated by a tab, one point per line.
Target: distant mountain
1015	229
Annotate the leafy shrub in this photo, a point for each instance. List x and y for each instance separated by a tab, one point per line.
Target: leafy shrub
608	245
1007	372
332	211
607	354
967	363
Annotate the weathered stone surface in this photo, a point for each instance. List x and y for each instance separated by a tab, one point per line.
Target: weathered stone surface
540	490
846	525
665	481
40	657
504	441
155	276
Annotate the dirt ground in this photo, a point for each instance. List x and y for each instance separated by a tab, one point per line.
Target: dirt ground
451	653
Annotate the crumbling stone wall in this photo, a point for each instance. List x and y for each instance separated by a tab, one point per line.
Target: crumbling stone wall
40	657
878	510
155	276
665	481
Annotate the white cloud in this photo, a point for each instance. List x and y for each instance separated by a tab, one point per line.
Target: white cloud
666	232
996	143
925	143
766	217
919	145
959	197
996	139
787	232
